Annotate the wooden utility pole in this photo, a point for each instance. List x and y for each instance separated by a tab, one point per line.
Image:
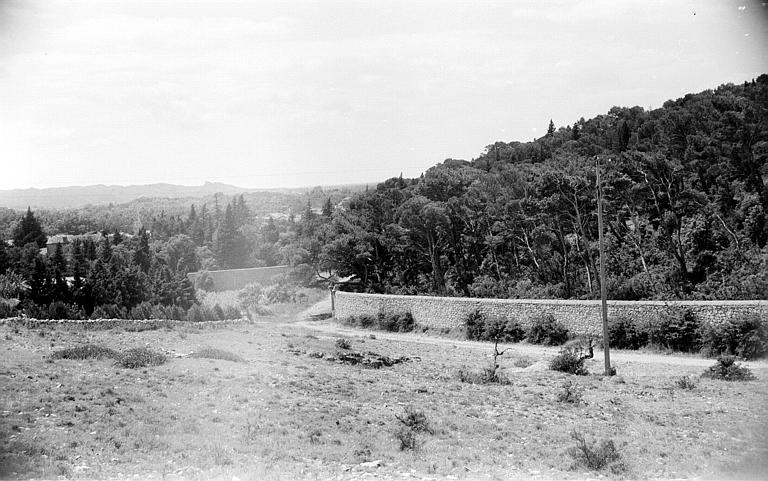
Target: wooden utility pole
603	290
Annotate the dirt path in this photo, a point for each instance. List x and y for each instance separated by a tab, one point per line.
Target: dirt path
317	318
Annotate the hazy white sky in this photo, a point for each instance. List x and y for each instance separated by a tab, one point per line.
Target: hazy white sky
285	93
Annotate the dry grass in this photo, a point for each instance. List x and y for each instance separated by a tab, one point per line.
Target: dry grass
289	414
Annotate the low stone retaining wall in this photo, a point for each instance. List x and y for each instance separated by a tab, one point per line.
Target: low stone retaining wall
581	317
98	324
234	279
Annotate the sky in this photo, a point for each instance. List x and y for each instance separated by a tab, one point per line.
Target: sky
283	93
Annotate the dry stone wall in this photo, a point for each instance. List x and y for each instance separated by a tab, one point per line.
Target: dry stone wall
581	317
234	279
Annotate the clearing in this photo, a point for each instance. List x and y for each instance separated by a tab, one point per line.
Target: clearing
271	405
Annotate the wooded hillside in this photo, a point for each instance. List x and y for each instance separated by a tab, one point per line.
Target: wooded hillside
685	204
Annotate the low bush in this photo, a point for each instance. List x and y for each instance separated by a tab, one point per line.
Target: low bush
213	353
569	362
141	357
727	369
218	312
625	333
475	325
570	393
343	343
393	322
546	330
408	439
232	312
571	358
396	322
204	281
7	309
488	375
109	311
251	296
412	423
746	337
198	313
60	310
479	327
685	382
280	293
145	310
87	351
677	329
259	311
596	456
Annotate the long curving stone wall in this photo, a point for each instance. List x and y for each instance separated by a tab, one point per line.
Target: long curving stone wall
581	317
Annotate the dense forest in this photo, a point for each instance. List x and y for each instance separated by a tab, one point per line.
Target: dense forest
685	201
683	192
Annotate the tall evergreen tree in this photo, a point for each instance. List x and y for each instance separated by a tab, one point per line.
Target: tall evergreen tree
29	231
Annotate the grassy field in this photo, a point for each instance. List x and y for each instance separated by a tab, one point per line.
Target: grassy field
263	401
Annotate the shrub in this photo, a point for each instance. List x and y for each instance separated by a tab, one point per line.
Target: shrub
685	382
570	393
475	325
251	296
408	439
677	329
479	327
396	322
218	312
342	343
393	322
174	312
412	423
198	313
570	360
204	281
726	369
488	375
88	351
596	456
746	337
141	357
232	312
503	330
259	311
145	310
7	309
109	311
213	353
415	420
546	330
60	310
626	334
280	293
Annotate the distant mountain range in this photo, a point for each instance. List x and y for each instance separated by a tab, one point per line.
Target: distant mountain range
77	196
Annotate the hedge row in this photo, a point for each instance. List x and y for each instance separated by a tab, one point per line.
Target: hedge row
681	330
678	330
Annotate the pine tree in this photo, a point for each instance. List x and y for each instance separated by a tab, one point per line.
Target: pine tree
29	231
104	251
4	260
551	128
41	283
328	208
142	256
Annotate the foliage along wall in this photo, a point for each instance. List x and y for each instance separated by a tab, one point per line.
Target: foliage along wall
580	317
